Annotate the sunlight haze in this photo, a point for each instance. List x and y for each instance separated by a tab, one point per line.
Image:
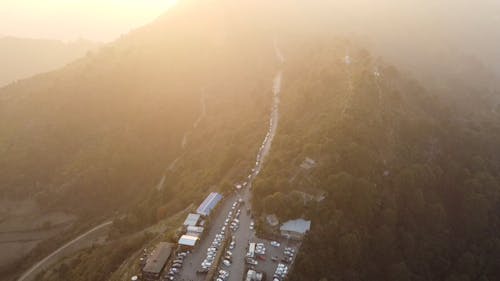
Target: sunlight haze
97	20
257	140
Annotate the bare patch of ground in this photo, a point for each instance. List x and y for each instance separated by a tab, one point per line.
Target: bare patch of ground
23	225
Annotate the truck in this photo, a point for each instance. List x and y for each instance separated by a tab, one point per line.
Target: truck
251	250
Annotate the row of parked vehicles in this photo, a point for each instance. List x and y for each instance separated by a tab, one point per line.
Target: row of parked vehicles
289	253
235	223
219	238
175	267
281	272
212	250
232	221
260	249
223	275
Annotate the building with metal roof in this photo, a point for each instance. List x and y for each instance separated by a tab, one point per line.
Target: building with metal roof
156	262
295	229
192	220
195	229
209	204
188	240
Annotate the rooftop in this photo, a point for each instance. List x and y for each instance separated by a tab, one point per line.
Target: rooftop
188	240
300	226
158	258
192	219
209	203
196	229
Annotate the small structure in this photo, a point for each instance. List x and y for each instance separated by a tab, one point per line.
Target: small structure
295	229
188	241
193	234
156	262
195	229
192	220
209	204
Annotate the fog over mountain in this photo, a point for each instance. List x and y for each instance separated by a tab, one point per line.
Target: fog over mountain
21	58
375	121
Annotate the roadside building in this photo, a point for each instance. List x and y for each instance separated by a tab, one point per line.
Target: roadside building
192	220
209	204
194	234
295	229
195	229
156	262
188	241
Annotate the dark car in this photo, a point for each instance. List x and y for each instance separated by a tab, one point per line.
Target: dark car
202	271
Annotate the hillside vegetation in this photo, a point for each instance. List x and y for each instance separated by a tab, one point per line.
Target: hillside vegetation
405	184
103	137
411	188
93	134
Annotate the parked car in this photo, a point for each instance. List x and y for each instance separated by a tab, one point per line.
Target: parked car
275	243
202	270
251	261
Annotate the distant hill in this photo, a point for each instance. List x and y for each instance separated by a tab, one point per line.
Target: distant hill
21	57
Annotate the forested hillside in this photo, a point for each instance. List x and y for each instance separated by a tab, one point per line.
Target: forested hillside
141	128
411	186
404	183
110	124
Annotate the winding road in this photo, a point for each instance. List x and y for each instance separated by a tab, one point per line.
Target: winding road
56	255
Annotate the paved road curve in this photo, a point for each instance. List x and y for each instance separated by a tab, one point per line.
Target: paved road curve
47	261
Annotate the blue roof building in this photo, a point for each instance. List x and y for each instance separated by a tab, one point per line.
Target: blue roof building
209	204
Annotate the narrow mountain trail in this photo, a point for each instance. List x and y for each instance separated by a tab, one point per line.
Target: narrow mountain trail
184	141
196	122
350	85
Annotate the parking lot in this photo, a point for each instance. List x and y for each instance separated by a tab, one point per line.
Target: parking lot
242	235
275	255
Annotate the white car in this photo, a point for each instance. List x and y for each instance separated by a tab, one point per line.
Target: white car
275	243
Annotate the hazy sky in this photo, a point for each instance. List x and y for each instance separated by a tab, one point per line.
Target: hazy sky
98	20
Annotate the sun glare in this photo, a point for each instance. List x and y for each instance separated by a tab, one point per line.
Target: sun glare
101	20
